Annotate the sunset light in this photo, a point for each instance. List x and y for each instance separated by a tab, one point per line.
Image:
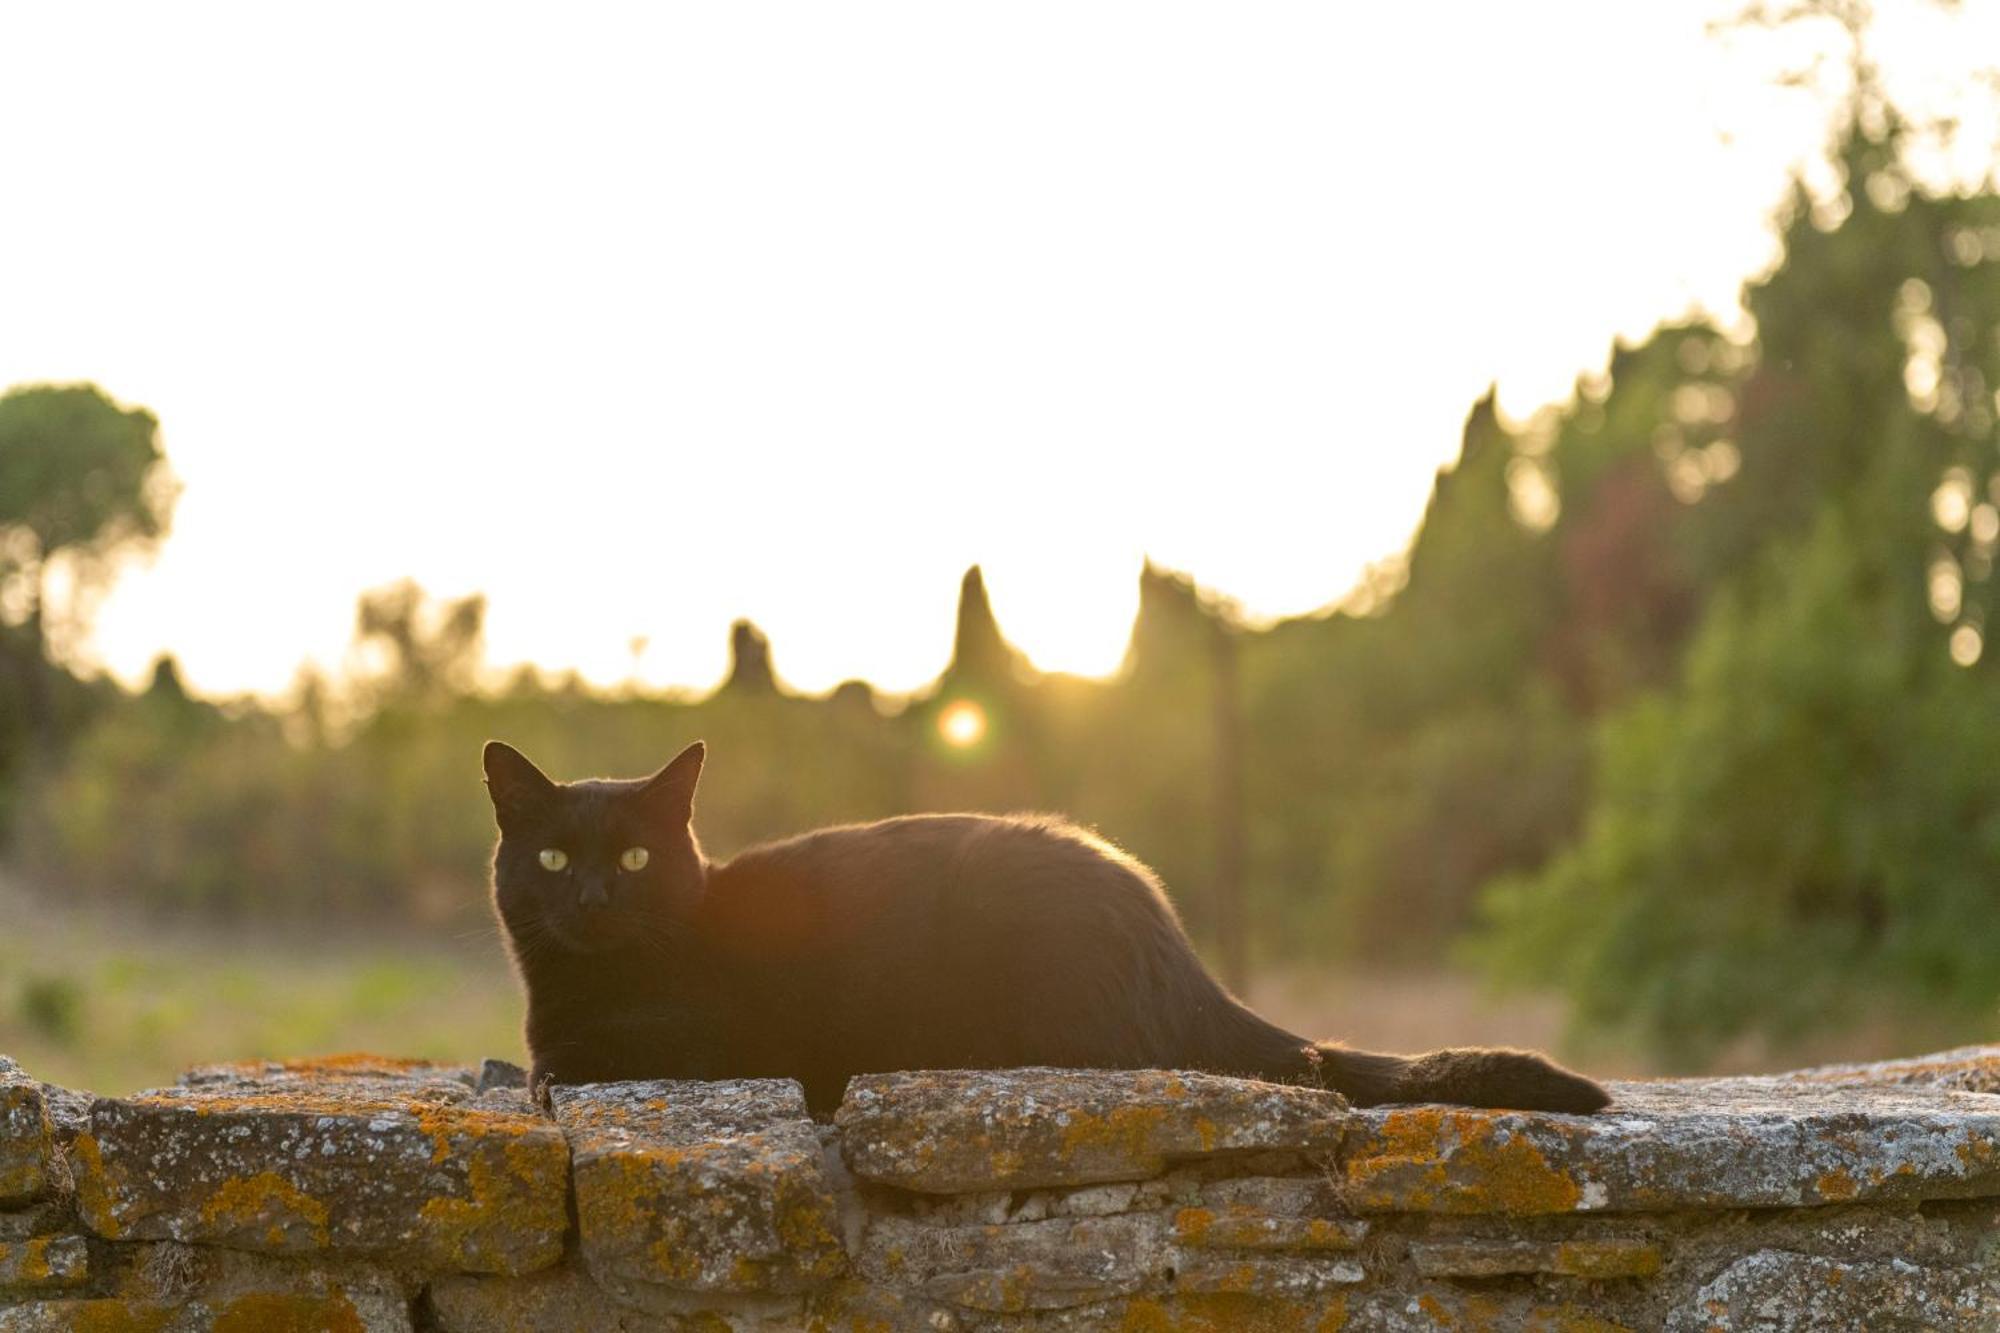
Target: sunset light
962	724
551	352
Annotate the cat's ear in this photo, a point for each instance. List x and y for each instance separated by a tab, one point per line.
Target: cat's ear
669	793
516	786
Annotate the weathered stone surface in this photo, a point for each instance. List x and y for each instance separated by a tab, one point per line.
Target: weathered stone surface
1826	1199
326	1068
31	1166
239	1284
1090	1201
564	1298
43	1263
942	1132
499	1074
69	1111
700	1186
39	1219
1291	1277
1065	1262
1967	1069
1442	1308
245	1312
1699	1143
1244	1228
1775	1289
1018	1266
1591	1257
1266	1213
854	1306
345	1165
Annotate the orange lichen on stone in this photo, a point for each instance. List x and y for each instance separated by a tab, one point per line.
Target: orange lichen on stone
1568	1319
1192	1225
1435	1159
30	1164
113	1315
805	1226
348	1064
21	1180
1608	1258
1243	1227
29	1263
268	1200
288	1312
448	1123
673	1263
1837	1185
1131	1131
93	1192
616	1195
528	1199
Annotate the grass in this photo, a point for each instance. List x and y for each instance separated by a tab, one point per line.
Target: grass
90	1000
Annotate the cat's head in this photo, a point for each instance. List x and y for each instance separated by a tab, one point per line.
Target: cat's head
583	867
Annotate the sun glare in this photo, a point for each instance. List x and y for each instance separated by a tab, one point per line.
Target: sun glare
962	723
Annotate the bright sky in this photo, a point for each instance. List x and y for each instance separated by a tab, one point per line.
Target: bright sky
642	318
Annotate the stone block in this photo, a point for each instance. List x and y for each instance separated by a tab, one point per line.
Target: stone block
38	1219
31	1165
1019	1266
1966	1069
714	1187
1587	1257
323	1069
1289	1277
1288	1213
245	1312
1692	1144
565	1298
43	1263
344	1165
1777	1289
1443	1308
950	1131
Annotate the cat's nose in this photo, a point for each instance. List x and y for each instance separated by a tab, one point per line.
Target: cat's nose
593	892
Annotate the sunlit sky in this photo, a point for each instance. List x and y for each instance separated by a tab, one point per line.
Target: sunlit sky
639	319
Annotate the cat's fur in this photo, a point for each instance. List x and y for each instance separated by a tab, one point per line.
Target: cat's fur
926	942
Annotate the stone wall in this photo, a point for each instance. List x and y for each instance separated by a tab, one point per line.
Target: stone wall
364	1194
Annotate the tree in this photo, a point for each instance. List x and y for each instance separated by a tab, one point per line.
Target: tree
1798	824
415	649
750	669
81	481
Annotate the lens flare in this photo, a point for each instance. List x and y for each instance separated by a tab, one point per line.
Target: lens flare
962	723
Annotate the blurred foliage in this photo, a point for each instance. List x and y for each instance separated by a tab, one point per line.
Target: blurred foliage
1678	702
51	1006
82	482
1798	826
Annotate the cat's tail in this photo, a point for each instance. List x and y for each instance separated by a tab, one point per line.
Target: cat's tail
1462	1076
1244	1042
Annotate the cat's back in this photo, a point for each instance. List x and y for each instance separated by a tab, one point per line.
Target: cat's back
825	884
930	846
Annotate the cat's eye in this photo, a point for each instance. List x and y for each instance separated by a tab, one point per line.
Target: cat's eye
634	858
554	858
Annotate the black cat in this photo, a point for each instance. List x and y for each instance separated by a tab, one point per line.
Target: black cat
926	942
